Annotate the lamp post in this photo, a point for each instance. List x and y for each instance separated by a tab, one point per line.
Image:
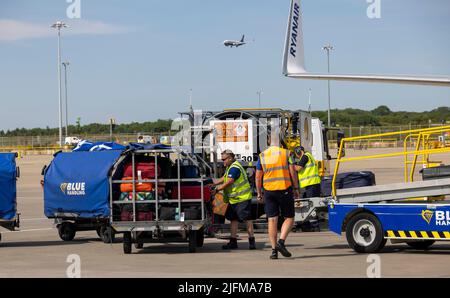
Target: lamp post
328	48
259	97
309	100
58	25
65	64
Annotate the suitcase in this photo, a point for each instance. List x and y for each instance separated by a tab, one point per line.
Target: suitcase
186	172
218	205
167	213
126	215
191	192
192	213
439	172
144	216
144	207
140	196
347	180
144	170
140	187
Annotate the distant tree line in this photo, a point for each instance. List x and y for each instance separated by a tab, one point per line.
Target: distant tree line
381	116
159	126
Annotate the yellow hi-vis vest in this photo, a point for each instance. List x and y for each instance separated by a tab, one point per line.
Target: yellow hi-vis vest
240	190
309	175
275	165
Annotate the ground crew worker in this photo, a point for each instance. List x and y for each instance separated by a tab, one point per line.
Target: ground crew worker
308	172
276	175
238	193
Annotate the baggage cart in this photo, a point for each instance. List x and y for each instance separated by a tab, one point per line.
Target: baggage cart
9	172
172	219
76	192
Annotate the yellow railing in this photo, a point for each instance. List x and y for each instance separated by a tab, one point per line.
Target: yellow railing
422	141
21	150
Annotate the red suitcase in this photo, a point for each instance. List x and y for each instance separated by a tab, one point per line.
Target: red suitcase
144	170
144	216
126	216
191	192
141	216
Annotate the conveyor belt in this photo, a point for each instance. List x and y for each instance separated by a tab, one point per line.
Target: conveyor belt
374	194
396	191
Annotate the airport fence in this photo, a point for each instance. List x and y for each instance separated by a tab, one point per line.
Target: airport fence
50	143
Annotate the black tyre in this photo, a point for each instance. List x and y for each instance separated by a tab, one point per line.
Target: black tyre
127	243
200	237
422	245
67	231
99	232
0	237
365	234
192	241
107	234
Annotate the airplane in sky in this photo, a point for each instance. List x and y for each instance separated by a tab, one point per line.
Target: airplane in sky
234	43
294	60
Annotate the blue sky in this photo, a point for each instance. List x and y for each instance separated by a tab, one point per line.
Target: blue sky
137	60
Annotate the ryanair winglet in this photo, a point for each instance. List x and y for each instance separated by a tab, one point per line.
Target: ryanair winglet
294	60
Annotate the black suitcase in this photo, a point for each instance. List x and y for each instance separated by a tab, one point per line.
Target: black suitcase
347	180
192	213
435	173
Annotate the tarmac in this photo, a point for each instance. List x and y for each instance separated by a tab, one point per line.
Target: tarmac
37	251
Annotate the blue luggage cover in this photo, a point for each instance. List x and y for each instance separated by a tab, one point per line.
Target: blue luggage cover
97	146
7	186
77	183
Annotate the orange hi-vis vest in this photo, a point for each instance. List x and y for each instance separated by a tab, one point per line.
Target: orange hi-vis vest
275	165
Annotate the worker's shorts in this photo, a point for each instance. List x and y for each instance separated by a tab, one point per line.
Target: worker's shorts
279	202
240	211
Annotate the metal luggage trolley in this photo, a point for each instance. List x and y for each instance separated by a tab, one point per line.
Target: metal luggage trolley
9	218
76	192
160	230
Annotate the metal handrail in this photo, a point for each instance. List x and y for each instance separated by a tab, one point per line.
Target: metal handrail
421	133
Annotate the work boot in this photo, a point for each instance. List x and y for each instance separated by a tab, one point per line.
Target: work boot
282	249
274	254
232	244
251	243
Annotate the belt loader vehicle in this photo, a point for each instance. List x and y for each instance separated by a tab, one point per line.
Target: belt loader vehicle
414	212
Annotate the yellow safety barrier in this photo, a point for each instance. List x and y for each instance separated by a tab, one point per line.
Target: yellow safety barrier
23	150
422	147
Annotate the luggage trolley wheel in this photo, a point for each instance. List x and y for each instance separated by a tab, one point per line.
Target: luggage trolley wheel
138	244
127	248
192	240
106	233
66	231
365	234
200	237
422	245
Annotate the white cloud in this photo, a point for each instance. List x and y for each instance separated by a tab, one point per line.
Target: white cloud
12	30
